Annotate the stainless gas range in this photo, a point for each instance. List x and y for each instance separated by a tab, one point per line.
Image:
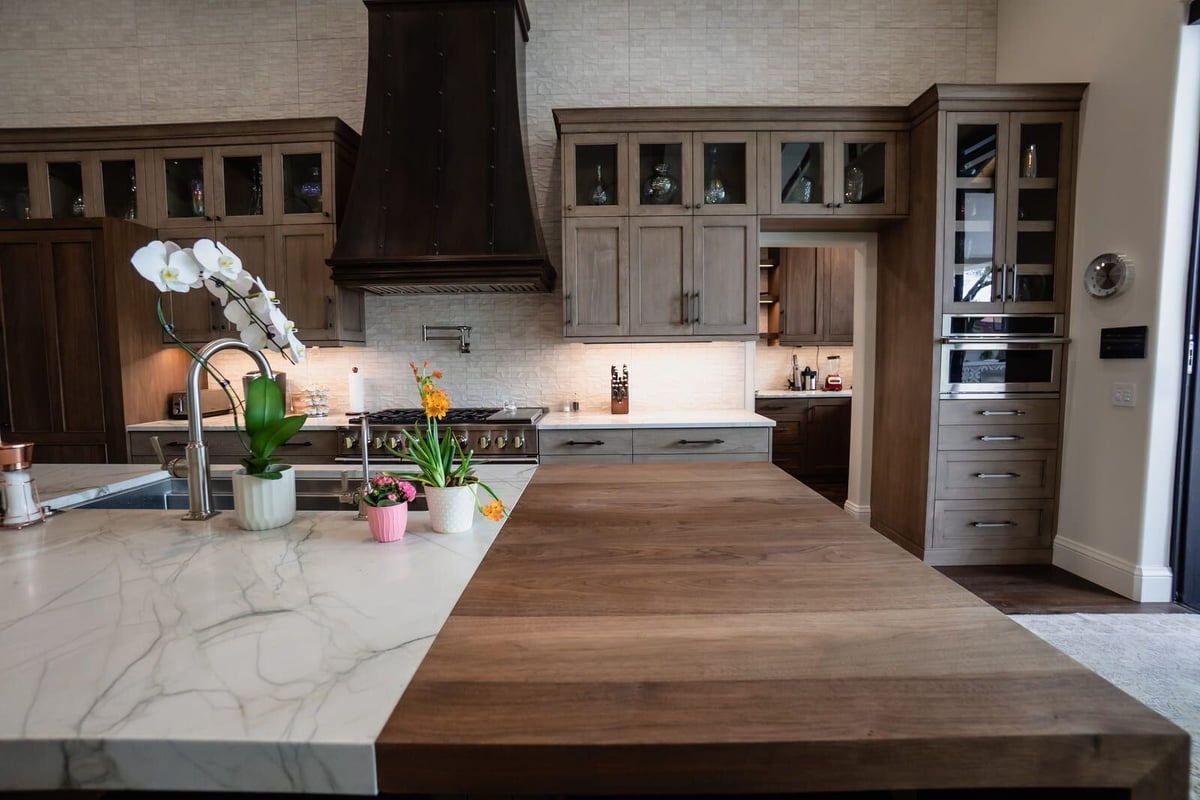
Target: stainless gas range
495	435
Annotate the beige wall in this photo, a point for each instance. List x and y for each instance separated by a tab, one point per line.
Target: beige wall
74	62
1134	195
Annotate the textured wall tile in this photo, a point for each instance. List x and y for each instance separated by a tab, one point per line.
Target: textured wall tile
981	55
668	14
773	365
58	81
754	14
331	19
42	24
981	14
579	16
332	72
167	23
221	75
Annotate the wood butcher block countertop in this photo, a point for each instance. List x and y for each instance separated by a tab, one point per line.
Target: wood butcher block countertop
722	629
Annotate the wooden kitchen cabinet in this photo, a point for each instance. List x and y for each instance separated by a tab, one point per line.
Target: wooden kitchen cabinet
324	313
80	350
842	173
596	276
613	444
595	175
661	286
725	276
816	296
812	435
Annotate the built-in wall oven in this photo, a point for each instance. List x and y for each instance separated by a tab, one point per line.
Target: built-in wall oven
1000	354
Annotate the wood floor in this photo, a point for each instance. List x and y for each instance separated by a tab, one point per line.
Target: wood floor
1046	589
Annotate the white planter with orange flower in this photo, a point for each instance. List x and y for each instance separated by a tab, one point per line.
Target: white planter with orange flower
451	486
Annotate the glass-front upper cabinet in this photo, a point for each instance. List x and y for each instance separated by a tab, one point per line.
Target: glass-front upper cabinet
69	186
15	199
594	180
975	195
660	173
124	191
1039	180
305	183
186	189
802	173
725	164
244	177
865	168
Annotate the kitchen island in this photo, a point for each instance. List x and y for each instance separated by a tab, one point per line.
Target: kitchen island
636	629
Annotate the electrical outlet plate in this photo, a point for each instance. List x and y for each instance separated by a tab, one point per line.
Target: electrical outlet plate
1124	394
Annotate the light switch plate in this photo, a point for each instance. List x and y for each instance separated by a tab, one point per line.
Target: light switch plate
1124	394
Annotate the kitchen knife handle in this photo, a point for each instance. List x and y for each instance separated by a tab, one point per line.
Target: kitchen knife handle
573	443
999	438
701	441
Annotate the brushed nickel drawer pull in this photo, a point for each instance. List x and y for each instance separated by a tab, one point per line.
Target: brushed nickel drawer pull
296	444
702	441
1005	524
573	443
999	438
987	475
1013	413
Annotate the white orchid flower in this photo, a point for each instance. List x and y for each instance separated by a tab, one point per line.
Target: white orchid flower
281	327
217	259
255	337
236	313
152	260
182	272
297	347
216	285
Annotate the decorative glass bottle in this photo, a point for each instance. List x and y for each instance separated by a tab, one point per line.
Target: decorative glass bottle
1029	162
660	188
131	210
197	187
310	190
714	189
854	184
599	193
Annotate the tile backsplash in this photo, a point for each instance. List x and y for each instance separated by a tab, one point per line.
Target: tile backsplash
195	60
773	365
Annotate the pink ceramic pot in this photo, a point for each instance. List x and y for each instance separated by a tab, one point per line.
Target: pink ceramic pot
387	523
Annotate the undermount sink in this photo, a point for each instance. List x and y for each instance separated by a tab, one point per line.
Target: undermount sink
312	494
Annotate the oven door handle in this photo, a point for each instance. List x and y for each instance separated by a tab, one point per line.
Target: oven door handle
1006	340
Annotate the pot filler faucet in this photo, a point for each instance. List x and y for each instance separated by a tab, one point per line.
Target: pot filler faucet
196	454
463	338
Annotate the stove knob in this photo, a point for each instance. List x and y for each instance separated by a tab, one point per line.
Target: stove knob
462	439
518	441
349	442
392	442
484	441
501	442
377	442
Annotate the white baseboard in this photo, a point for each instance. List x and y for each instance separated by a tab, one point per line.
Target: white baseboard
1143	584
862	513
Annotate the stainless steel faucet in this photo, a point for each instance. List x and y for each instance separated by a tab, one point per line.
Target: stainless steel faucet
463	338
196	453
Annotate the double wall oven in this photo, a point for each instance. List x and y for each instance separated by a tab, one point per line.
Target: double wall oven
1000	354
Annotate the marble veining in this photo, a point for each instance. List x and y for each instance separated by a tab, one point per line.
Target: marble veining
138	651
65	485
716	418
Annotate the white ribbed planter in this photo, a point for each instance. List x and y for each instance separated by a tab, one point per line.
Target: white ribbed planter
263	504
451	509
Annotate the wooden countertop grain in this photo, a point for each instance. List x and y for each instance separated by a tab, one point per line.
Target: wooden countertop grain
718	628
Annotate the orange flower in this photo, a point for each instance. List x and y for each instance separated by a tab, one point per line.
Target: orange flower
436	403
426	365
494	510
437	373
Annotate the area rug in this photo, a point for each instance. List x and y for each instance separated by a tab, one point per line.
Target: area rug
1153	657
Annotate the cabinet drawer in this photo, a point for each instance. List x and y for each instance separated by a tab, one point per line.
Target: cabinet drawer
991	524
982	438
594	442
690	441
1039	411
695	458
1016	474
782	408
789	436
595	458
227	443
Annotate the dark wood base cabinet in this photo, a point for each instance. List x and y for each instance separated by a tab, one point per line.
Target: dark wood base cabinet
80	350
812	436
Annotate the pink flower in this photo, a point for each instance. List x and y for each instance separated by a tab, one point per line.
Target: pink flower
408	490
392	497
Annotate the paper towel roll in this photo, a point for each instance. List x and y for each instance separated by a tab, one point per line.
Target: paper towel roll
358	395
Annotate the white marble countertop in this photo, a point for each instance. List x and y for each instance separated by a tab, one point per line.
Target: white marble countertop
66	485
779	393
720	418
138	651
224	422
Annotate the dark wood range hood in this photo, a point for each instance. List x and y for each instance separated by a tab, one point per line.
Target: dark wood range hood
442	199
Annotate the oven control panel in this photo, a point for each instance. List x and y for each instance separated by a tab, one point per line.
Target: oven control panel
489	443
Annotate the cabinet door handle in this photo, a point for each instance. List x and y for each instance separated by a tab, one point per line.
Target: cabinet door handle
1013	413
999	438
1005	524
175	444
1003	282
696	301
567	304
1012	292
991	475
573	443
687	298
328	313
773	408
296	444
325	213
217	217
829	205
701	441
570	207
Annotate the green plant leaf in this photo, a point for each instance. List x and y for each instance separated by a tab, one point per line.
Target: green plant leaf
263	443
264	405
